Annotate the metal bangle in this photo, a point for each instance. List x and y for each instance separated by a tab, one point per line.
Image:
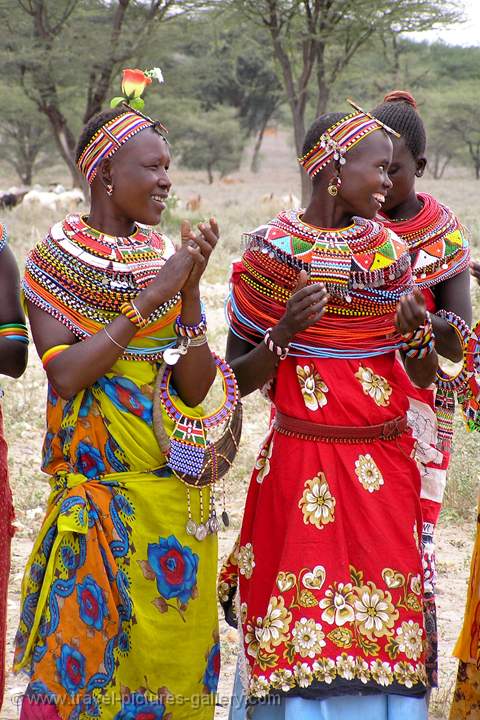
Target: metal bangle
122	347
198	341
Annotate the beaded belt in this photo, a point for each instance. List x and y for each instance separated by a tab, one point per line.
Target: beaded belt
306	430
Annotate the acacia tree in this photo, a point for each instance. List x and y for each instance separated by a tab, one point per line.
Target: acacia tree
313	42
25	139
464	127
64	50
233	67
210	140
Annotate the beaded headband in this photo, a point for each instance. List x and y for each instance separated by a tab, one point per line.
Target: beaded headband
108	139
335	142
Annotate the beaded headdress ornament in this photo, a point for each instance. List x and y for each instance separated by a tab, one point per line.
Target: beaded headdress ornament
335	142
117	131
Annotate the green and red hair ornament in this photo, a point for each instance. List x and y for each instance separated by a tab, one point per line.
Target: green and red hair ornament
117	131
134	83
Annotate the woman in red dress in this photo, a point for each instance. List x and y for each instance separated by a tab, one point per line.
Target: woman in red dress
329	564
439	252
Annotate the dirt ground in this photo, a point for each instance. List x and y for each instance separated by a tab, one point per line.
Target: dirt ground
239	203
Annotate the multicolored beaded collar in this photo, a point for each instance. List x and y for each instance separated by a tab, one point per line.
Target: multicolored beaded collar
109	138
335	142
438	243
365	268
82	277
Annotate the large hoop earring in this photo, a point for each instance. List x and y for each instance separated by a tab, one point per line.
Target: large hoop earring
334	186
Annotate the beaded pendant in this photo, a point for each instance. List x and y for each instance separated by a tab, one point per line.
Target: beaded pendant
193	457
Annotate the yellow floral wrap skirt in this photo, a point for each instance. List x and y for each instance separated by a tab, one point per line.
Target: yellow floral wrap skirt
118	617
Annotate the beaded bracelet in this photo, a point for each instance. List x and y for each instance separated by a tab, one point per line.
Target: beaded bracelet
420	342
14	331
191	331
52	353
273	347
132	313
198	341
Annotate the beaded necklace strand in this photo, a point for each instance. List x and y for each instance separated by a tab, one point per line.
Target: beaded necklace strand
82	277
366	271
438	243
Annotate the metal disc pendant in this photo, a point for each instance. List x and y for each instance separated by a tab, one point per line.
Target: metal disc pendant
213	524
225	518
201	532
170	356
191	527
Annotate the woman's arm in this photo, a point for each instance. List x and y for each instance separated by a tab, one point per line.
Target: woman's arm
452	295
82	364
13	354
195	371
255	366
411	313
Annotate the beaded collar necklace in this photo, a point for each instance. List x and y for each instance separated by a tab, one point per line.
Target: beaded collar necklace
82	281
438	243
365	268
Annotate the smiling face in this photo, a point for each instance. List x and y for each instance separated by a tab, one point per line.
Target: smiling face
139	175
364	176
403	171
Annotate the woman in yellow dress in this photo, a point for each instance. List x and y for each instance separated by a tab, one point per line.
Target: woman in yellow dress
118	616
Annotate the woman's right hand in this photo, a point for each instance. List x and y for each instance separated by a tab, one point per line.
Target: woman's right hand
173	275
305	307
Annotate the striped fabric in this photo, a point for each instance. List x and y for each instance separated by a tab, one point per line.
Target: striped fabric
108	139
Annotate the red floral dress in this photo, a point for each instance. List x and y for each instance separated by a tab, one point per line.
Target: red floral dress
328	560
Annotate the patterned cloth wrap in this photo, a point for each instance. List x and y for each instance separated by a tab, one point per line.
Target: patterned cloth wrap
118	616
329	560
439	250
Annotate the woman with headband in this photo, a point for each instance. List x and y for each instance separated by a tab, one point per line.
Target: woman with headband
118	616
440	255
328	559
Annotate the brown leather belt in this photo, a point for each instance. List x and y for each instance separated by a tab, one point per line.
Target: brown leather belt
306	430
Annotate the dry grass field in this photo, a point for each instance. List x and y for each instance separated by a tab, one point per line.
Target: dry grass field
238	205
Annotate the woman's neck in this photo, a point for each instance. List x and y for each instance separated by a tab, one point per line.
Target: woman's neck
405	210
107	221
326	214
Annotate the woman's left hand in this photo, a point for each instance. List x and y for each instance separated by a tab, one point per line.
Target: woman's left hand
200	247
411	312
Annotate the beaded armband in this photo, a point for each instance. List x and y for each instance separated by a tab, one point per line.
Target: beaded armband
420	342
132	313
273	347
15	331
3	238
191	331
52	353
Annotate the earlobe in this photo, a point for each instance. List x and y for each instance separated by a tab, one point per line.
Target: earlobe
421	165
106	176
